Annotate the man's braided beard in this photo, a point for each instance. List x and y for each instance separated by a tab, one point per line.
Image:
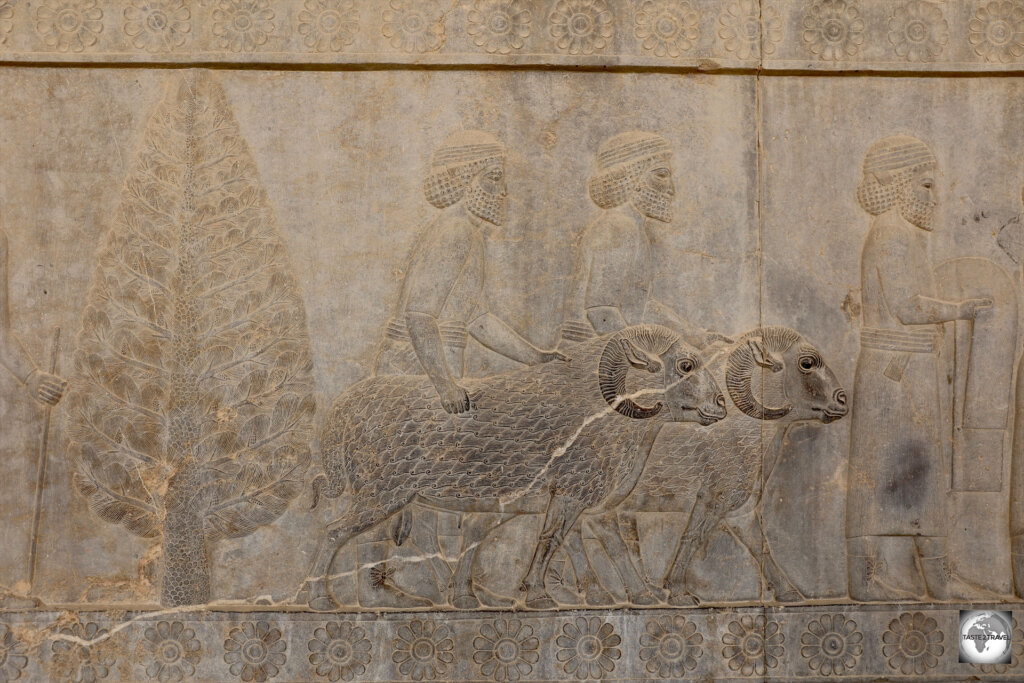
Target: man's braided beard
877	197
482	204
651	203
914	211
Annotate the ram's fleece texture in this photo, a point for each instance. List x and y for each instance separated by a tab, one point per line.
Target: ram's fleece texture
539	429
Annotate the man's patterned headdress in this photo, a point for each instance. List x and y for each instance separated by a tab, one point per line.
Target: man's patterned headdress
620	160
888	166
459	158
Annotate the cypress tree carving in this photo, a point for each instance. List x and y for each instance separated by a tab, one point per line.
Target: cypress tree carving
192	395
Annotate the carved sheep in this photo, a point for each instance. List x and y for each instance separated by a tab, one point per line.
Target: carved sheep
555	438
774	377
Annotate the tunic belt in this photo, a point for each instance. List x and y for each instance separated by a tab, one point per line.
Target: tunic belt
905	341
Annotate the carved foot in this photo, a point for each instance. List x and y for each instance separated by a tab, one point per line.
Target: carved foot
1017	561
874	590
958	589
16	602
945	584
1017	564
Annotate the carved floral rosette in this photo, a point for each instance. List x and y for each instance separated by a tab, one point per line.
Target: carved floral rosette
791	644
832	35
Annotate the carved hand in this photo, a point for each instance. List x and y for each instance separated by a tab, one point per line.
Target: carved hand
968	308
553	354
45	388
455	399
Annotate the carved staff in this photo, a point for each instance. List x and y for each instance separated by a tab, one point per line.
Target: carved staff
41	467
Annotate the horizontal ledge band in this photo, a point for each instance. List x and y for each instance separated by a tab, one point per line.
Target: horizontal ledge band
589	66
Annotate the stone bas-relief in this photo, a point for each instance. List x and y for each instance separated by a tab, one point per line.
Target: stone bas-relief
896	492
192	403
493	376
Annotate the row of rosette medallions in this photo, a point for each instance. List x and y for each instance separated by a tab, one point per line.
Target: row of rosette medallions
499	649
828	30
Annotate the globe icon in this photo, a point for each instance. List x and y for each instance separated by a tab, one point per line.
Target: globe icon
985	638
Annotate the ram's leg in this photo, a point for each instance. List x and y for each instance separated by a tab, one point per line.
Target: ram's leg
590	586
562	513
606	529
475	528
703	518
629	532
562	579
424	534
751	535
314	587
355	520
374	583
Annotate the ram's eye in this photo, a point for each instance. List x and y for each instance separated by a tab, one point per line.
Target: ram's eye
686	366
806	363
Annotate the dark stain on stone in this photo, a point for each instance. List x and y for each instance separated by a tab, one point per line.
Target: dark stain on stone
907	483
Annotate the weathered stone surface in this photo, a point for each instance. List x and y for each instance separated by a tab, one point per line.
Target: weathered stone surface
509	340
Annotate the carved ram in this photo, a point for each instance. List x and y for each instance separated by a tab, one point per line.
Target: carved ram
556	438
774	377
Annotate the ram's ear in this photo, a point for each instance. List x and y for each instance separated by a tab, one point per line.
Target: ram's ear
640	358
762	356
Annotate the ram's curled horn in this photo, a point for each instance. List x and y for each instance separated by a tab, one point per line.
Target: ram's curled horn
740	367
620	354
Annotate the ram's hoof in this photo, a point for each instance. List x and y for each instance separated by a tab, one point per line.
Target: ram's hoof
645	598
322	604
791	595
465	602
683	600
597	596
658	591
386	597
315	597
565	596
543	602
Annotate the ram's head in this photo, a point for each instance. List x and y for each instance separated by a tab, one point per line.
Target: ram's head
687	387
773	373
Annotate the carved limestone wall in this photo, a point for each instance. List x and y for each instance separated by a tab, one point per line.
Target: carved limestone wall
911	35
540	340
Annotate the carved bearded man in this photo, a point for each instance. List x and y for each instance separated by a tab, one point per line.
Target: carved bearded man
443	296
443	300
898	475
614	272
613	278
